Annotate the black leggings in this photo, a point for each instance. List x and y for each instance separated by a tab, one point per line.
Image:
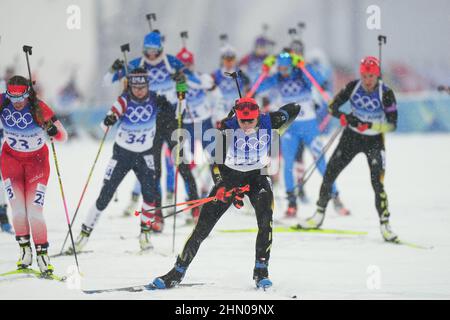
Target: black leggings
185	172
121	163
349	146
261	198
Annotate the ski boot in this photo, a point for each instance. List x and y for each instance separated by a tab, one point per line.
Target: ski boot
132	205
261	274
172	278
144	237
26	254
5	226
315	221
339	206
291	211
43	260
82	239
158	223
387	233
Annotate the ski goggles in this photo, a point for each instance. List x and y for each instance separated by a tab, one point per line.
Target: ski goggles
246	109
17	93
148	51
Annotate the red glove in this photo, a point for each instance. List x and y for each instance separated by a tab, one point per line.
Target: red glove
363	127
343	120
265	68
221	195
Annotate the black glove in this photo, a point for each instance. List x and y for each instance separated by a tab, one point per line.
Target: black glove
110	120
117	65
238	199
52	130
353	121
179	77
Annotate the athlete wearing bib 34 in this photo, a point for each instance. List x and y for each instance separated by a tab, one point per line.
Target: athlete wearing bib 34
25	166
146	119
247	140
374	112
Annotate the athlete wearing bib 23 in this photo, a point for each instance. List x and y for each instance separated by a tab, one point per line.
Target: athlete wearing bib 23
25	167
238	172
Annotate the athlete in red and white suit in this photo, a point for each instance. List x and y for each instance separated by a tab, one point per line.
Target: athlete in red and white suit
25	165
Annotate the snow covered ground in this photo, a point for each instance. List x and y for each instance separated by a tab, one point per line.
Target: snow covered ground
308	266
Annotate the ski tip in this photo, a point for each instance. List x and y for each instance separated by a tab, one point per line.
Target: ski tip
411	245
151	286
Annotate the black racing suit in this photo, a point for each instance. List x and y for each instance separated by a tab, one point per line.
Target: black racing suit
353	142
260	195
127	160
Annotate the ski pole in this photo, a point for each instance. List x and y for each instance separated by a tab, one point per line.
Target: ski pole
64	202
381	41
125	48
181	94
150	17
136	213
257	83
309	171
235	76
28	51
203	201
241	189
322	92
85	186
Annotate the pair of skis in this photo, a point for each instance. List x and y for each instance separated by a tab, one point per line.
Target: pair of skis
139	288
297	228
31	273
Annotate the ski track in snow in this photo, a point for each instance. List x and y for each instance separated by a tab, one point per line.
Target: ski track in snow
308	266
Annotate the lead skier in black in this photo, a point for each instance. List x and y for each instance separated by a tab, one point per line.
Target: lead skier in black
247	138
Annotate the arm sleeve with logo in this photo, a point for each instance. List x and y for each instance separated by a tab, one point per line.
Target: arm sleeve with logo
390	109
283	118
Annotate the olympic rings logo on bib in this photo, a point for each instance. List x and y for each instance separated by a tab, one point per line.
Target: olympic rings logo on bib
227	85
192	93
253	143
139	113
290	88
17	119
157	75
365	102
